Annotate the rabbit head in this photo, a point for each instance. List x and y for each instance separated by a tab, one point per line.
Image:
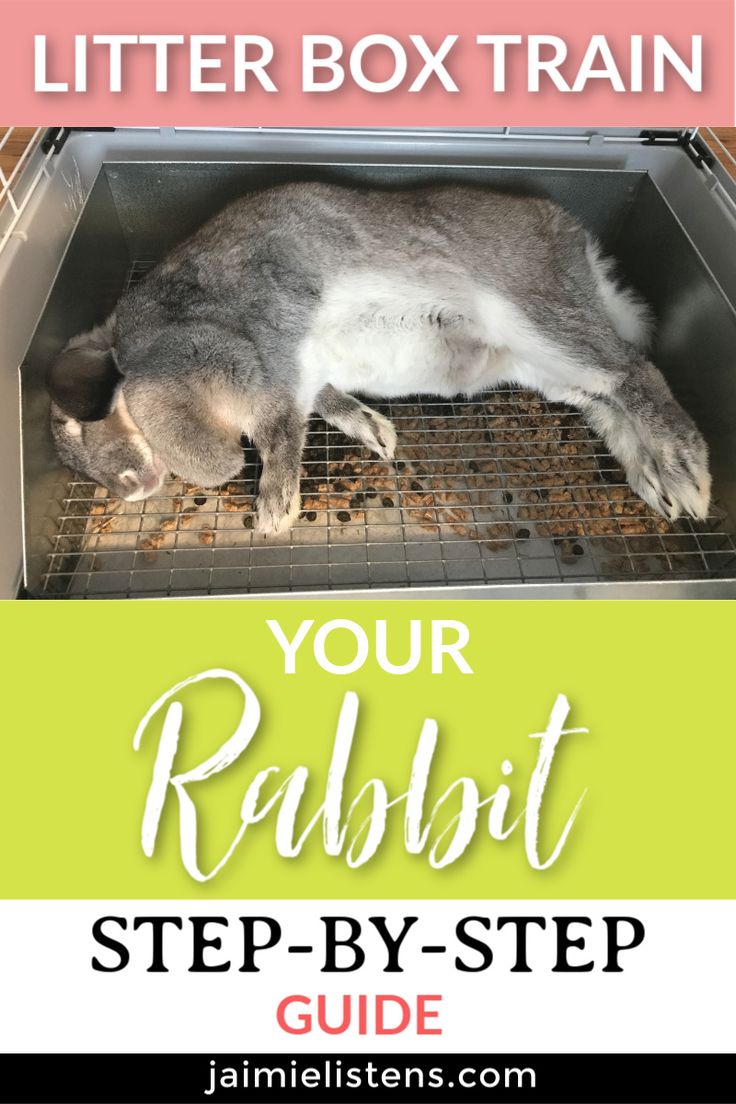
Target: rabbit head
90	423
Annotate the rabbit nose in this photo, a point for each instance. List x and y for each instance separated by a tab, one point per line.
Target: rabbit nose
151	482
138	487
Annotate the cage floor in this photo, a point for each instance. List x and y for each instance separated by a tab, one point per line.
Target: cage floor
505	488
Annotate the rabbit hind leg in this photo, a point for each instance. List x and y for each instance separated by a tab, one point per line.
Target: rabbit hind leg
627	400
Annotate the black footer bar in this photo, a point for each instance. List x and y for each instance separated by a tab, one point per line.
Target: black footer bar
543	1078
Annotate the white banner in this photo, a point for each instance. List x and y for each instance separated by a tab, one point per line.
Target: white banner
485	976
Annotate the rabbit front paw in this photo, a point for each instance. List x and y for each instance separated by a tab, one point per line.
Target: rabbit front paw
276	512
380	435
373	430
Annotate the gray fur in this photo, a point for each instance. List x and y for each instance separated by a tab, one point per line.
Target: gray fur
215	341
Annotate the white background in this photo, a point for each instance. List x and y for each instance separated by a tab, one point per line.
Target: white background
675	994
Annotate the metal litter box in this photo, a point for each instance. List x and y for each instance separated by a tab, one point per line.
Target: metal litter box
502	495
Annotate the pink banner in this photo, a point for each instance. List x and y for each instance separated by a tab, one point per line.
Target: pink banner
657	63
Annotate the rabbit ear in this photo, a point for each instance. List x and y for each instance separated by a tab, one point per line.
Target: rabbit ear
84	383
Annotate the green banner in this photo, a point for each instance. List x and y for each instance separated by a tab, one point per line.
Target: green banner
433	760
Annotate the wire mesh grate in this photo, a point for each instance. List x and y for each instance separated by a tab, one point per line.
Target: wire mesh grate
502	488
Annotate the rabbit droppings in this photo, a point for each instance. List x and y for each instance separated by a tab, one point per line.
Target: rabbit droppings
293	297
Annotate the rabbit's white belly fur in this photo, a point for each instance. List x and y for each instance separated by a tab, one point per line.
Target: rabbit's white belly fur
389	335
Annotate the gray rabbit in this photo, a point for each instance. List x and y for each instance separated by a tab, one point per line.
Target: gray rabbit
293	297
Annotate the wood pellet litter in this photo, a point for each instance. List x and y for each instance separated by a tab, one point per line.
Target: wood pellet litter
507	478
